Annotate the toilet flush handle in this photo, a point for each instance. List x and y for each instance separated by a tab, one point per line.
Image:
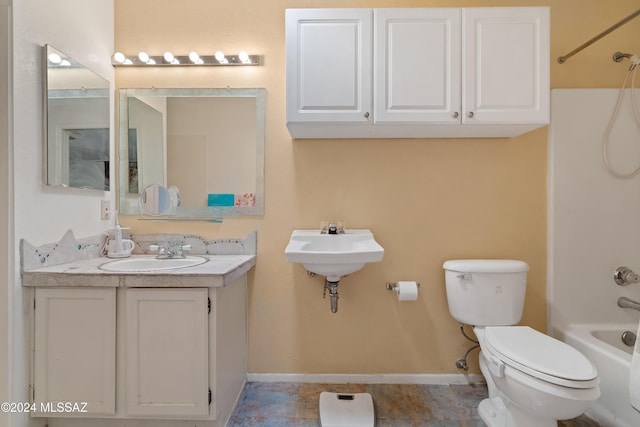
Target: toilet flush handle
464	276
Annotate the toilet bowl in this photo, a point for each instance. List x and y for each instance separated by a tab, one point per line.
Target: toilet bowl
533	379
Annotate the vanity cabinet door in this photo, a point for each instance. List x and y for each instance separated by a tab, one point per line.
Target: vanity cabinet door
167	357
417	73
74	351
506	65
328	65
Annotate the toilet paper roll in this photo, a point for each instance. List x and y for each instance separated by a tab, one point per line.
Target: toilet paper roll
407	290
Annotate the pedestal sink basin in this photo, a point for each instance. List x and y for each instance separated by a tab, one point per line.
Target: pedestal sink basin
142	263
333	255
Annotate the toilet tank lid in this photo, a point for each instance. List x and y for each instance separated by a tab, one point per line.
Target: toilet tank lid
486	265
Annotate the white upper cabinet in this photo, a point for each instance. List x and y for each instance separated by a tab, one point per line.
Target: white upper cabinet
328	65
417	65
506	65
427	72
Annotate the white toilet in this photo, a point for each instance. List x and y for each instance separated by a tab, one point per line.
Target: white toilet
533	379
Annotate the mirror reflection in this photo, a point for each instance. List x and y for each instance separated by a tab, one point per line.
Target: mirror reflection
155	200
77	116
208	143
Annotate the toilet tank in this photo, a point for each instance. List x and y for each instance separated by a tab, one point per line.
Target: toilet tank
486	292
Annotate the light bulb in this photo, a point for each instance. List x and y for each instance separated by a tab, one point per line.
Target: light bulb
168	56
143	56
244	57
194	57
119	57
54	58
65	63
220	57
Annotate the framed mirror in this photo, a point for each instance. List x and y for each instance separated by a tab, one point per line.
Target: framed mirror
205	144
76	130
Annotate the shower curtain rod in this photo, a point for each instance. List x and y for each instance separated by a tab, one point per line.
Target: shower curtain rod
562	59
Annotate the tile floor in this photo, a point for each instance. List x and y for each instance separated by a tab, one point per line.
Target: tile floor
296	404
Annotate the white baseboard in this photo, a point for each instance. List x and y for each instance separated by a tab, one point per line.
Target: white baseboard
368	378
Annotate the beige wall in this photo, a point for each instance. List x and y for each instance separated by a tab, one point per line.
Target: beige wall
426	200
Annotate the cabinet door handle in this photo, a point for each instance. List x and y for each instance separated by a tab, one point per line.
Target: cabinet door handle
470	114
366	115
455	114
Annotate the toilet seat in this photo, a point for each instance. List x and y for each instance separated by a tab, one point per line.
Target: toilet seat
540	356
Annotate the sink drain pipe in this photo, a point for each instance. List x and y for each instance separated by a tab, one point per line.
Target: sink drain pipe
333	294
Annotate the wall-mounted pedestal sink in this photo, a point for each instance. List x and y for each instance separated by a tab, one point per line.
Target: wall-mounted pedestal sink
139	264
333	255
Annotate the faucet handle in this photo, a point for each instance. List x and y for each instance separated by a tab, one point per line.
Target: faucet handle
186	248
157	248
625	276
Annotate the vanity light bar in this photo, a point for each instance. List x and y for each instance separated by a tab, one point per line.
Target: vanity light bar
143	59
55	60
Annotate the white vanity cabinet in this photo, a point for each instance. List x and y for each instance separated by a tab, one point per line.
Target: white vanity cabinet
184	352
136	354
434	72
74	351
167	352
120	346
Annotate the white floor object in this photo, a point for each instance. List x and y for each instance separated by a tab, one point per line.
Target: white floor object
346	410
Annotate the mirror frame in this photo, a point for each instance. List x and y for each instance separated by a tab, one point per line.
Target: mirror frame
76	93
128	204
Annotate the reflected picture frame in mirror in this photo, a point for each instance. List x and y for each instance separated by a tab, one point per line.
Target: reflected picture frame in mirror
76	124
207	145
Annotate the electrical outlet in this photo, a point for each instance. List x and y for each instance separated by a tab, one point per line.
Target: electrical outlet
105	208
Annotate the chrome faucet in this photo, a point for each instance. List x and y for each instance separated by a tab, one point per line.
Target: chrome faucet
625	302
332	228
172	250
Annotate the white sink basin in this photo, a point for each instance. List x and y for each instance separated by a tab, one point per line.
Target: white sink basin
142	264
333	255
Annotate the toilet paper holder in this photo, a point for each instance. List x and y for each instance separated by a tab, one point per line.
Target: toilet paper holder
393	286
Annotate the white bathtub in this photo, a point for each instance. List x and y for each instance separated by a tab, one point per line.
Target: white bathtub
603	346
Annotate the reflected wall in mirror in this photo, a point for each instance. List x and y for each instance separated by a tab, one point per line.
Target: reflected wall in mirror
209	143
77	116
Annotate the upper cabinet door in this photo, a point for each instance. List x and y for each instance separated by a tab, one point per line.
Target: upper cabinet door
328	65
417	71
506	71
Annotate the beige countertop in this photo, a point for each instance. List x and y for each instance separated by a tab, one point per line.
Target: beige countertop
218	271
